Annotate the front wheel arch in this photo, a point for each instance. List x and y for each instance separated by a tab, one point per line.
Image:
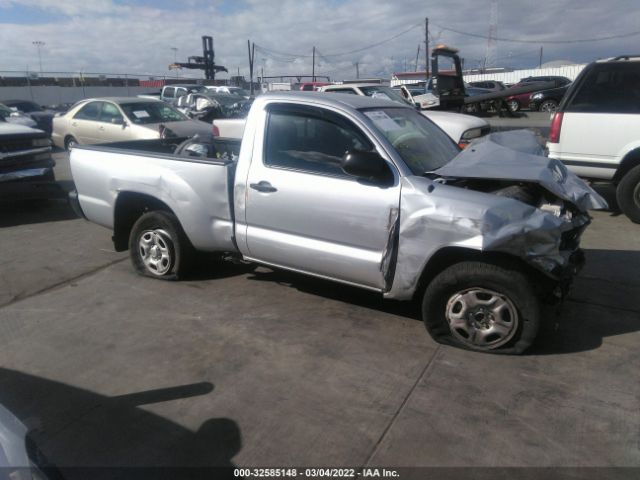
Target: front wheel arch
448	256
628	163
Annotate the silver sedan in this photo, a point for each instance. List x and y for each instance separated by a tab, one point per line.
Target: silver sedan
104	120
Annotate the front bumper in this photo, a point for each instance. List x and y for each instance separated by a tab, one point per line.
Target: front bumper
565	276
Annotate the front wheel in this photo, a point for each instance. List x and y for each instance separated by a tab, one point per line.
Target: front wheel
159	247
549	106
69	143
482	306
628	194
513	105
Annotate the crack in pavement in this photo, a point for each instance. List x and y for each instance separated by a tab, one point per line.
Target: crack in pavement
67	281
604	305
422	375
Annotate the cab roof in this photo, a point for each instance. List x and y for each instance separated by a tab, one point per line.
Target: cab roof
336	99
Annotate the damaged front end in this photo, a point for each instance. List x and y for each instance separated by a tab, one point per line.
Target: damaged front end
493	198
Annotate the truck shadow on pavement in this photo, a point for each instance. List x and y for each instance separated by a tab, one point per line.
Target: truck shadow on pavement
597	308
87	435
14	213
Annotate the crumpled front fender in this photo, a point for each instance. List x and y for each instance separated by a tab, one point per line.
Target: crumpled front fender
434	216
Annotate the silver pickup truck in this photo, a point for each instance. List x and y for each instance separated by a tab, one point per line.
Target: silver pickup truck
360	191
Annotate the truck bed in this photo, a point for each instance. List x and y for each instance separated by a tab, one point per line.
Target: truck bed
193	188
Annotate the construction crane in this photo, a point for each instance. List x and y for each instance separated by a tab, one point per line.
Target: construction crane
206	62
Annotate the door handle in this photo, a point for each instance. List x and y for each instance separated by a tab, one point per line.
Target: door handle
263	186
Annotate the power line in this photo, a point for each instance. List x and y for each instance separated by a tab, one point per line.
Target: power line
293	56
377	43
540	41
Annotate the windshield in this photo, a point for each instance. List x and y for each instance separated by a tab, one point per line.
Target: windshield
152	112
385	93
27	107
4	111
420	143
239	92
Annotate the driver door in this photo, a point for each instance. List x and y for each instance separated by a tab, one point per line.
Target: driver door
304	213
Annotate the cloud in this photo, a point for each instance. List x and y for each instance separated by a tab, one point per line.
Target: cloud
136	37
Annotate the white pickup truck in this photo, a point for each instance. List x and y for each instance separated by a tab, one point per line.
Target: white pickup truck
360	191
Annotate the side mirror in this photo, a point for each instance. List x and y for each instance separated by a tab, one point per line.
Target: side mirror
366	165
117	120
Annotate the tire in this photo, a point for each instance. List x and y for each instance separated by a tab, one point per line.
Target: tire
472	108
461	306
513	105
69	143
548	106
159	248
628	194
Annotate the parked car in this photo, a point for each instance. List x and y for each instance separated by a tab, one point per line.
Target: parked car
41	116
360	191
113	119
521	101
9	115
20	457
492	85
461	128
171	93
596	129
208	106
240	92
312	86
26	166
547	100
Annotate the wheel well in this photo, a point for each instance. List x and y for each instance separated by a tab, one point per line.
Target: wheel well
449	256
631	160
130	206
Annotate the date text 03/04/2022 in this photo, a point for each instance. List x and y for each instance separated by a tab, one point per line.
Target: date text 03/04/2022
315	473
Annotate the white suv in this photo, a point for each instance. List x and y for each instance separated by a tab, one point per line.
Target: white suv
596	129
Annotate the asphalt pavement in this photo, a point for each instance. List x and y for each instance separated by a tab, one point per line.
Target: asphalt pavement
244	367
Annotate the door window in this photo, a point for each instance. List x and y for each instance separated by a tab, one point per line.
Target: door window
91	111
169	92
311	140
609	88
110	114
342	90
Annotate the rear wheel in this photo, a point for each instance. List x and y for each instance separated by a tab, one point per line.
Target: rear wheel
628	194
513	105
548	106
159	247
482	306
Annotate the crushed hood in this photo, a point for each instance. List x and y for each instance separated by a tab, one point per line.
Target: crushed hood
517	156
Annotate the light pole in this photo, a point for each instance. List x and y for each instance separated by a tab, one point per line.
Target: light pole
39	44
175	58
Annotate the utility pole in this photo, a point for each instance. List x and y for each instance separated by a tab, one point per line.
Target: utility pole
417	55
252	54
175	58
540	64
313	68
39	44
426	48
357	71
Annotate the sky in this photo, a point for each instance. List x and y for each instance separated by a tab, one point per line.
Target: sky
381	36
